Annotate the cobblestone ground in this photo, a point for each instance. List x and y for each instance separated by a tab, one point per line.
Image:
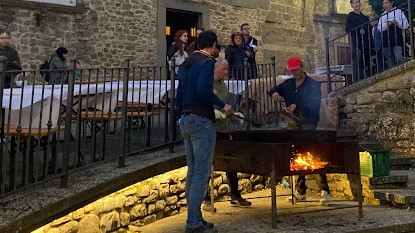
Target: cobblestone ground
341	216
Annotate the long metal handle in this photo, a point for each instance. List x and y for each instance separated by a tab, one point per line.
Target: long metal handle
257	125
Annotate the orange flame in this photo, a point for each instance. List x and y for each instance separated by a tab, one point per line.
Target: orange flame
305	162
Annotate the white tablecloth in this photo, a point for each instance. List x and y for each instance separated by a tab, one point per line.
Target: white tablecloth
36	101
338	69
27	110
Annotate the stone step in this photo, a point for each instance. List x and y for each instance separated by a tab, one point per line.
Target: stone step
395	180
399	162
404	196
369	145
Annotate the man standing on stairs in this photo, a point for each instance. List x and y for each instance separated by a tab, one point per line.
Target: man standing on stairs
302	96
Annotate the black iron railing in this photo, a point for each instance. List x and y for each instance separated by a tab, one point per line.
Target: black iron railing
100	114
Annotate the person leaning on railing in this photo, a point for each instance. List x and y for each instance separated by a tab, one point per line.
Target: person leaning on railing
357	25
392	24
13	60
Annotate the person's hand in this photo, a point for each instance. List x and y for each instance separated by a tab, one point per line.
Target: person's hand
290	108
255	49
275	96
219	114
362	31
215	91
392	22
248	54
228	109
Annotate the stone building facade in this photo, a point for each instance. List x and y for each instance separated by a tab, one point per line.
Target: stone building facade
101	32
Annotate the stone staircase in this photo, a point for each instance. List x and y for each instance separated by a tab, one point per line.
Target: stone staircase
397	189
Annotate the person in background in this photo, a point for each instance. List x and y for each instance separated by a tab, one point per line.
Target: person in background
252	44
358	28
235	54
193	46
58	66
222	126
377	50
194	103
13	60
177	50
392	24
302	96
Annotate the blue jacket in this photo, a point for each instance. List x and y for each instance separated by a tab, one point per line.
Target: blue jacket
307	97
195	91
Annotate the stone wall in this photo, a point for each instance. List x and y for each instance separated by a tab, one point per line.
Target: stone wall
144	203
163	196
382	108
110	30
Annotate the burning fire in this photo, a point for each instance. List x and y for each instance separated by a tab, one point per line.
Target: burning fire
305	162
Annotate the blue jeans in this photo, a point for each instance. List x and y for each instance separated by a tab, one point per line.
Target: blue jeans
199	137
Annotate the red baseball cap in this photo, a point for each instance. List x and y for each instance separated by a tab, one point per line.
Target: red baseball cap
294	63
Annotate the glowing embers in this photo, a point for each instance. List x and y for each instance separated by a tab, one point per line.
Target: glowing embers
301	161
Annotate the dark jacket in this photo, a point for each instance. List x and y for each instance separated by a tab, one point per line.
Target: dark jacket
235	56
353	25
12	63
58	69
195	91
307	98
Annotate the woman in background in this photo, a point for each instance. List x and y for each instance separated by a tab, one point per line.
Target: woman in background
235	54
58	66
177	50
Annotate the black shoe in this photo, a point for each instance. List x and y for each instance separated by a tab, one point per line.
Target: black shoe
240	202
208	224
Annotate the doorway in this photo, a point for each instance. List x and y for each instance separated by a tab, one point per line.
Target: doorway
181	20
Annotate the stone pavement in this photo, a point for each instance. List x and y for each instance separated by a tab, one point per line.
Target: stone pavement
341	216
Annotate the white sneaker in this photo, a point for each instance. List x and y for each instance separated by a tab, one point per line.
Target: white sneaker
325	198
298	197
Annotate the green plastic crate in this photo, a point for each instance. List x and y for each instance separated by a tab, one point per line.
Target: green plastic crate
375	163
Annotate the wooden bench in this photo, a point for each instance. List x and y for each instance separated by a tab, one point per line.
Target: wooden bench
28	140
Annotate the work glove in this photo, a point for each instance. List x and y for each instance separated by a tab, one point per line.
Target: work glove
219	114
241	121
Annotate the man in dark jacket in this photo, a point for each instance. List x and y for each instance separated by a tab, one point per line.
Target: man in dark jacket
252	44
302	96
195	101
13	60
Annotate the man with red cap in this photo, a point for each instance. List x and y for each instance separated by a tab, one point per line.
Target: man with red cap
302	96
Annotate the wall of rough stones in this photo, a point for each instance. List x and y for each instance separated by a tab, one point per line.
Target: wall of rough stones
110	30
382	109
143	203
163	196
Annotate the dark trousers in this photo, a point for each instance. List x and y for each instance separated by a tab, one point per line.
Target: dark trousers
232	177
321	180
